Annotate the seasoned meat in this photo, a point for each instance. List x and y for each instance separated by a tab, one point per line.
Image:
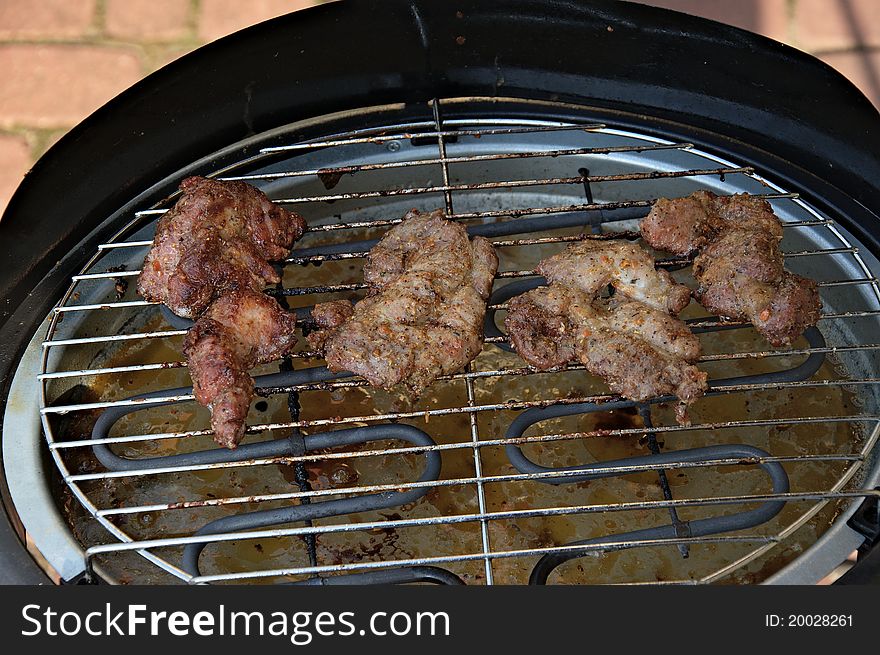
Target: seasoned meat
640	351
664	333
591	265
685	225
218	237
739	267
543	324
329	315
423	315
238	331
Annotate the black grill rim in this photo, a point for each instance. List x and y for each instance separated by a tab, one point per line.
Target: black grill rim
662	72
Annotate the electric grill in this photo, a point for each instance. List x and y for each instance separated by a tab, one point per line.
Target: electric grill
536	124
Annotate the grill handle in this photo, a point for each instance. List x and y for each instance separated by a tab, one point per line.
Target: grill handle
866	521
865	571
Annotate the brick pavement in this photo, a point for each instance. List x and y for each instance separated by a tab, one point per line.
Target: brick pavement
61	59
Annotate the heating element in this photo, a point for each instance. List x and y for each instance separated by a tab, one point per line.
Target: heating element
497	474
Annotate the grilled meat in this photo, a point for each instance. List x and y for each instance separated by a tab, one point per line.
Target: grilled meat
639	351
238	331
543	325
739	267
685	225
591	265
631	340
423	315
218	237
328	315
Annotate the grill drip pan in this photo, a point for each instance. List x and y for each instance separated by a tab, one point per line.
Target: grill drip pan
497	474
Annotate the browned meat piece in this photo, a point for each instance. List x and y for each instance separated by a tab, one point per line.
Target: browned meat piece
664	333
641	352
333	313
218	237
793	307
739	267
423	315
238	331
591	265
329	315
543	325
685	225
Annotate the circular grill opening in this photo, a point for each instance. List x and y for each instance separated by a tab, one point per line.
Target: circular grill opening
503	473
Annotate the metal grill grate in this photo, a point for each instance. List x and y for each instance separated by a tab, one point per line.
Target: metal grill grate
488	207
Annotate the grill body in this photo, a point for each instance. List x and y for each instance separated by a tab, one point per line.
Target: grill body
765	122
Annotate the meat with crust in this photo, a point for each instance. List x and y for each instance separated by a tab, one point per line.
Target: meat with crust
739	267
640	351
423	314
238	331
591	265
328	315
683	226
218	237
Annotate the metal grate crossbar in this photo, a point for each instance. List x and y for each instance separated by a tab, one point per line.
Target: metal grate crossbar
316	512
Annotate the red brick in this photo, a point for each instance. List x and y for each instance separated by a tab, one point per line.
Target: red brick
767	17
862	68
59	85
824	25
23	19
221	17
148	20
15	160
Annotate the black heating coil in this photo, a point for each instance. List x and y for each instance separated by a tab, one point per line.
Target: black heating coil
401	575
741	453
678	529
279	448
699	528
335	507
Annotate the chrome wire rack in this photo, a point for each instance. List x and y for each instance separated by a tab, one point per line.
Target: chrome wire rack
589	181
